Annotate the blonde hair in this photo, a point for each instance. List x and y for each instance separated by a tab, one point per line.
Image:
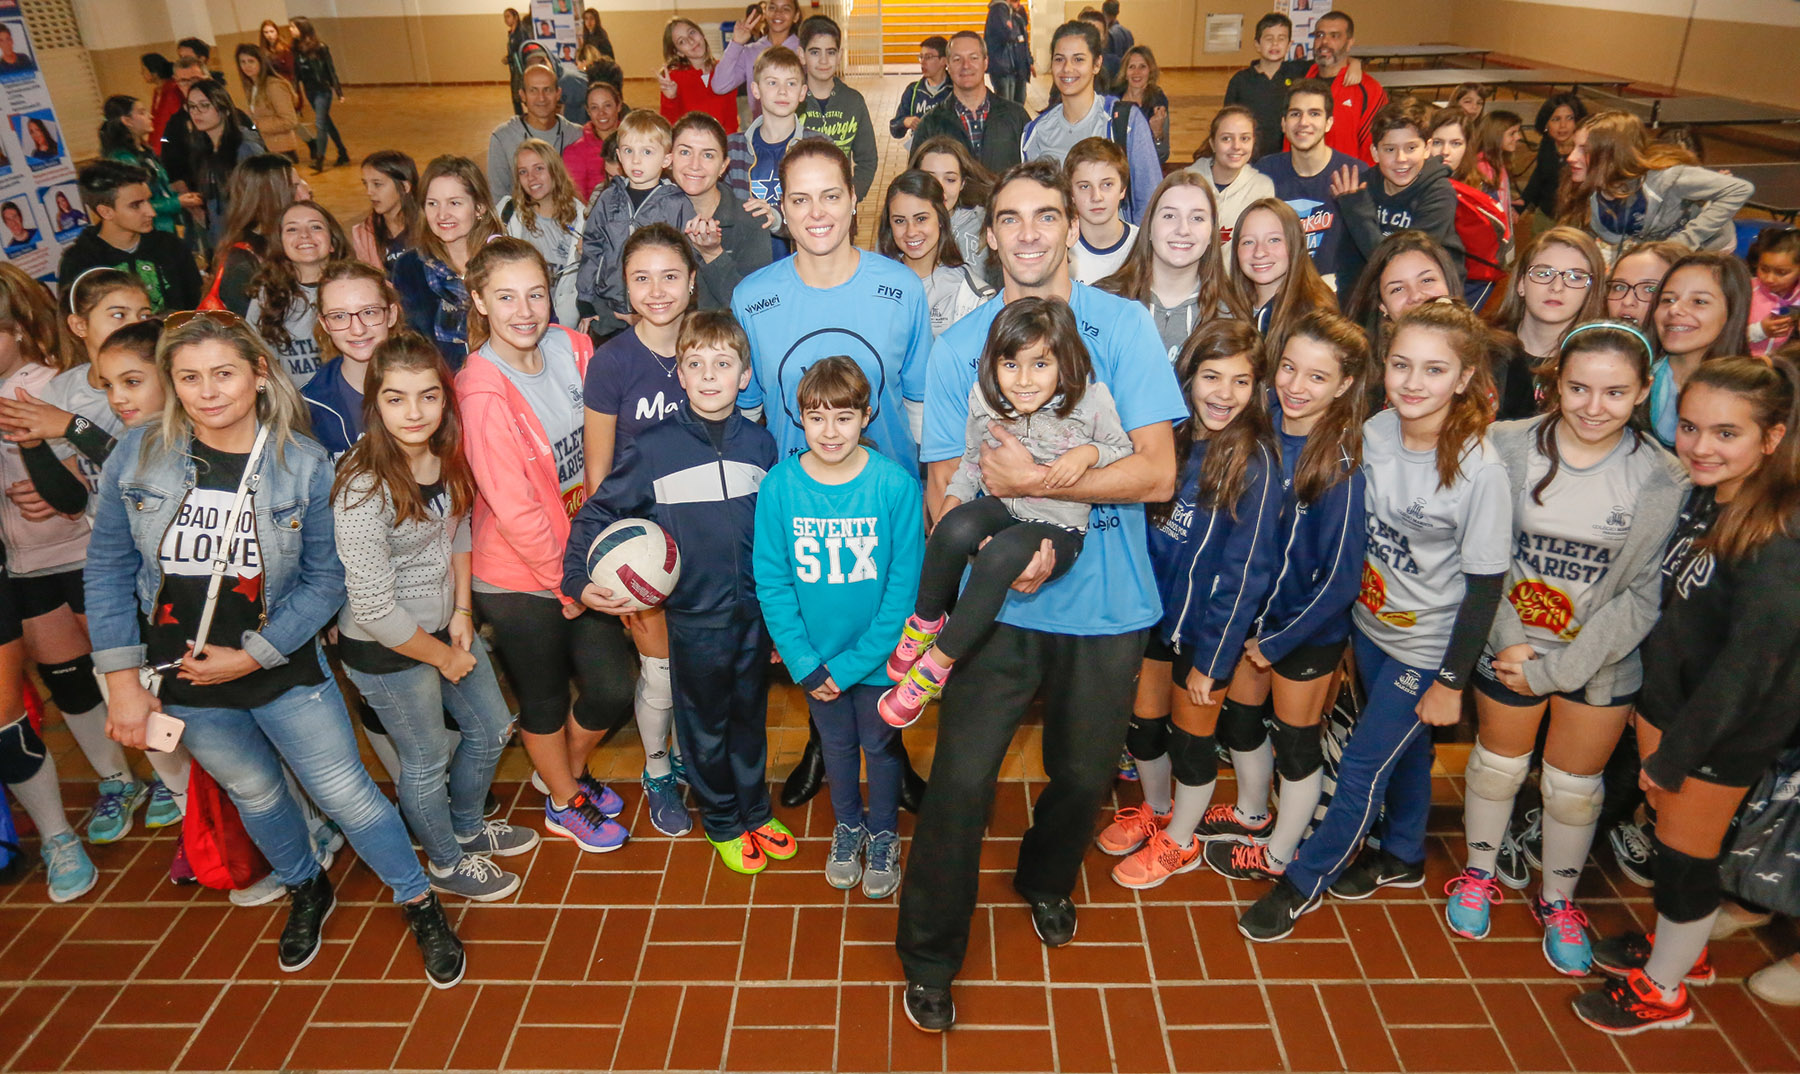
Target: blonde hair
278	402
563	200
643	123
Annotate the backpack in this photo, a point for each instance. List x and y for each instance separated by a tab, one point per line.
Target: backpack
1119	129
211	300
218	847
1485	231
13	863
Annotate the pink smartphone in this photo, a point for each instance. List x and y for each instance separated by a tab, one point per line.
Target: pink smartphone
162	732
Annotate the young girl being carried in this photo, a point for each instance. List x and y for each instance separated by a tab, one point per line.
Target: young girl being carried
1594	502
1176	266
1212	547
1775	297
1035	365
915	231
284	303
1555	285
544	210
1272	273
1702	313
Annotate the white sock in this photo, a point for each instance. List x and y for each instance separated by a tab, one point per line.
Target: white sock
1156	780
1190	806
107	756
655	714
1676	950
383	748
42	798
1254	771
1299	800
172	769
1485	819
1566	845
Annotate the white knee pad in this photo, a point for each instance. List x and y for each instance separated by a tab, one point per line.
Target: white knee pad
653	688
1491	776
1571	799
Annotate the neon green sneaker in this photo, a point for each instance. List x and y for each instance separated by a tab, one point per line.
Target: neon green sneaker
741	854
776	840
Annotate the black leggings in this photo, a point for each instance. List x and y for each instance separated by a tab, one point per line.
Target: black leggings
957	537
541	651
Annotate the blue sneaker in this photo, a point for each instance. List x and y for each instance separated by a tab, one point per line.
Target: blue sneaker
605	799
1471	896
662	799
327	840
72	875
679	768
111	818
1566	943
583	824
1127	766
162	811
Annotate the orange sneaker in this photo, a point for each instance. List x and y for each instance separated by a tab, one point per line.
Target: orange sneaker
1159	859
776	840
742	854
1130	829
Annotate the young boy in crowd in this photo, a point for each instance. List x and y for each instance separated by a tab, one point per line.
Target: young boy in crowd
1100	175
927	91
1074	64
754	171
1302	175
118	196
1405	189
696	475
635	198
837	111
1263	86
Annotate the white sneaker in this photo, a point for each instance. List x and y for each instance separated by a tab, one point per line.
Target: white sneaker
538	784
1733	919
264	891
1777	983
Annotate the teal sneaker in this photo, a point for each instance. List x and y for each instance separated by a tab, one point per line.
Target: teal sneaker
1472	895
111	818
162	812
72	875
1566	944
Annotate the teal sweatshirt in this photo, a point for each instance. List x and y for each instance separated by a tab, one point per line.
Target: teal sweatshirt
837	568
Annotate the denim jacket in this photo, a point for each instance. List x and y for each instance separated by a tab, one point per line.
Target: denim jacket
303	581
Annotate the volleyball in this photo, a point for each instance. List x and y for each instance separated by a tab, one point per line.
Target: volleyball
634	558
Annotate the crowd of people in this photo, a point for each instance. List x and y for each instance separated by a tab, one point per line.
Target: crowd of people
1189	456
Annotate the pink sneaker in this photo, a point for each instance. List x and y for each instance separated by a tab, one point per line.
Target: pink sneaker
1130	829
180	872
1157	861
901	705
916	637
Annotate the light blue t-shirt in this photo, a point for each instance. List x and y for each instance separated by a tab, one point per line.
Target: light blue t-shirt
1110	589
879	318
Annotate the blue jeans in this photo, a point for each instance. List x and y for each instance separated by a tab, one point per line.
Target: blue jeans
308	728
851	731
1386	763
412	704
323	127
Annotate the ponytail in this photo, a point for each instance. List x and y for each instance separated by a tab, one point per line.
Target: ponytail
1763	508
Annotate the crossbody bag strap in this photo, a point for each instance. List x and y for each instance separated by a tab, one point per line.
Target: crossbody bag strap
222	561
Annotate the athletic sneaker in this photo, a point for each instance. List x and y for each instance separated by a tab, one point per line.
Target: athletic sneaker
916	638
1222	822
1242	861
1272	917
1531	839
498	839
1472	896
741	854
591	830
1618	956
71	874
777	842
261	893
882	877
844	865
1157	861
327	840
1127	767
663	801
605	799
442	952
1566	944
1373	870
111	819
475	878
902	705
309	904
678	769
1632	850
162	811
181	873
1509	865
1130	829
1054	920
928	1008
1632	1005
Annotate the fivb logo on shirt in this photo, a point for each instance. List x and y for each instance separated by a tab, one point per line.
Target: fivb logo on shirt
831	538
191	543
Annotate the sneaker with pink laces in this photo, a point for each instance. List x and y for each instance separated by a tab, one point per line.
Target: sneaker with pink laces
916	637
1130	829
1242	861
1222	822
901	705
1158	860
1472	896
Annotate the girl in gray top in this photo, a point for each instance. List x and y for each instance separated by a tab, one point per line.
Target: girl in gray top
401	502
284	303
1630	189
1594	502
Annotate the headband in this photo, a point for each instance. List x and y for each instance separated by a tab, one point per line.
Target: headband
1618	326
76	282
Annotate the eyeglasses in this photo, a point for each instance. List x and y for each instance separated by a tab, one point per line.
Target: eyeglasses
1571	277
1646	291
369	316
196	107
222	318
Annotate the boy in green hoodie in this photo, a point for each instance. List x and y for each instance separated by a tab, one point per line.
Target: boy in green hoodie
839	112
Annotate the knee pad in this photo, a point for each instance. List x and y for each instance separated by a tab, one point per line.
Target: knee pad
1687	888
1147	739
1241	725
1194	759
1571	799
21	751
72	684
1299	751
653	687
1491	776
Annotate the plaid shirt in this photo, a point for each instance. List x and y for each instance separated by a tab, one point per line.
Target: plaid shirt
974	122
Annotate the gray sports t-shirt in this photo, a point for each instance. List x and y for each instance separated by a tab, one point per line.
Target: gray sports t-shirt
1423	539
554	393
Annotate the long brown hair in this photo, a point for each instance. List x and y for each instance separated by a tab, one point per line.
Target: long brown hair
260	189
404	174
978	182
673	59
307	42
276	283
1619	153
1733	278
1512	309
502	251
470	175
1302	290
925	187
1225	472
1334	447
1133	278
1472	409
1594	336
564	202
339	271
1764	507
1026	322
1450	115
86	292
1365	306
379	456
29	310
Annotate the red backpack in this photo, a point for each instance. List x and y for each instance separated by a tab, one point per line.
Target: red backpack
218	848
1485	231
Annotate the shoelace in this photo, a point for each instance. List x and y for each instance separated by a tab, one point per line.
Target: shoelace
110	805
882	851
1633	838
845	841
430	928
1137	819
1164	851
1570	924
63	855
1214	814
495	831
477	868
1468	890
1250	856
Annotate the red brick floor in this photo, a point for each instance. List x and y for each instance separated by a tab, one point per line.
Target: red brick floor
655	958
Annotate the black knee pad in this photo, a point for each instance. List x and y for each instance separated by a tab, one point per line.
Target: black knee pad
1193	758
21	751
72	684
1687	888
1147	739
1299	751
1241	726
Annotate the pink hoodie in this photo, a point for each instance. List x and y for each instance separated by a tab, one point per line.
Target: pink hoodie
1764	302
521	524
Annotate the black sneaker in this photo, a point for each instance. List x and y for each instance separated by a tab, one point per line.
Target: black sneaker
1631	848
1054	920
438	945
1618	956
1627	1007
928	1008
1521	850
1272	917
1376	869
309	904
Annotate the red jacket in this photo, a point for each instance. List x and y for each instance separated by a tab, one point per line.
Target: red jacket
1353	111
169	100
692	94
585	158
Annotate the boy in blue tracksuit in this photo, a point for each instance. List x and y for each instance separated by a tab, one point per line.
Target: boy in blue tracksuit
696	475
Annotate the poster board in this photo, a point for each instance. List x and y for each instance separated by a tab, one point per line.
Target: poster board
556	24
1304	14
40	205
